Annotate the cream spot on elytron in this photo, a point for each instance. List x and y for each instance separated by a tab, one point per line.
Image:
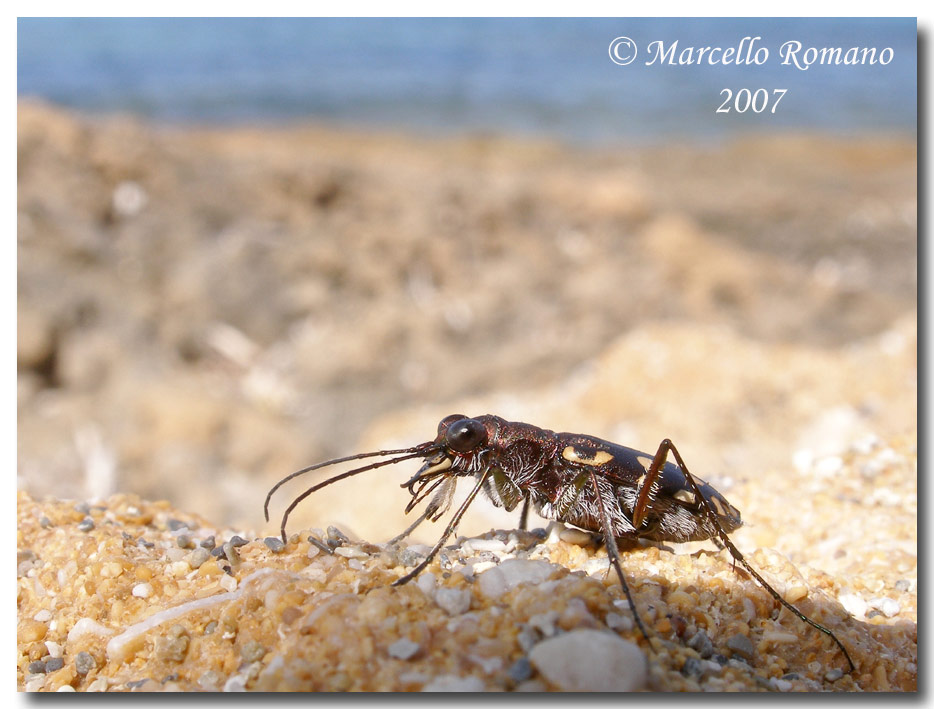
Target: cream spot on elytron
685	496
718	506
575	456
645	461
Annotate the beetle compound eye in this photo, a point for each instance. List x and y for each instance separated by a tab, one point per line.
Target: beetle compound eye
448	420
465	435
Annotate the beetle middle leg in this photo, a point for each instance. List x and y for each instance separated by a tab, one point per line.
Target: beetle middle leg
612	553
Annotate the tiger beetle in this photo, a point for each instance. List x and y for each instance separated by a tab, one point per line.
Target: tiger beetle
605	488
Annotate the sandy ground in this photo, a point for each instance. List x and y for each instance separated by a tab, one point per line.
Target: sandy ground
202	311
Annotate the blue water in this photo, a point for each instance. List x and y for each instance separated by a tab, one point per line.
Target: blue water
549	77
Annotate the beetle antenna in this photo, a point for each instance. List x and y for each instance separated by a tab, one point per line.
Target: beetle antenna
416	452
419	448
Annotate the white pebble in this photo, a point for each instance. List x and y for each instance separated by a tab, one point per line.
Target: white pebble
403	649
453	600
351	552
452	683
55	650
495	581
590	661
494	545
43	616
618	622
597	566
802	460
888	606
142	590
129	198
426	583
228	583
854	605
829	466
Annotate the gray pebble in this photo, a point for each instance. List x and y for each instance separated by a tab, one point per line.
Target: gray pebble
53	664
692	667
410	557
83	507
36	668
521	670
833	675
275	544
84	663
45	522
184	541
336	537
903	585
176	524
741	645
700	641
198	557
209	543
86	525
237	541
136	683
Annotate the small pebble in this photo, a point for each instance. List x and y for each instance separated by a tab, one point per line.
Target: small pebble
176	524
903	585
888	606
45	522
351	552
700	642
230	550
520	670
237	541
274	544
197	557
741	645
591	661
55	650
83	508
35	668
252	651
53	664
833	675
86	525
403	649
208	543
184	541
84	663
454	601
496	580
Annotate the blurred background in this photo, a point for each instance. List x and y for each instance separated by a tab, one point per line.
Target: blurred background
248	245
